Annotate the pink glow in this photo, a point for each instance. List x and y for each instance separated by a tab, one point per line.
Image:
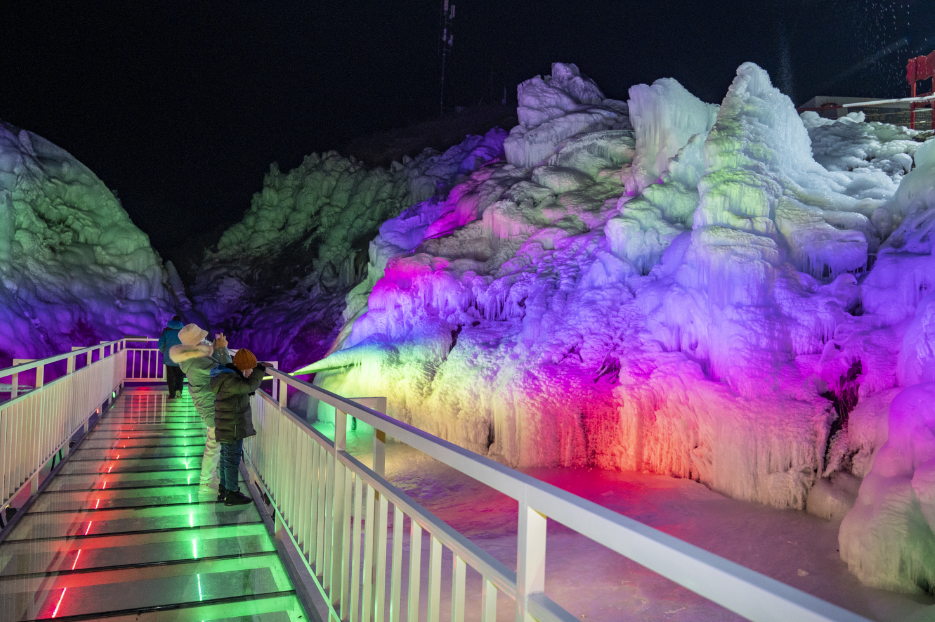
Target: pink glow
55	613
76	559
90	522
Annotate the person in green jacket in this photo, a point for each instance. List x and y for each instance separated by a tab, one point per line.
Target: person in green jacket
233	385
196	358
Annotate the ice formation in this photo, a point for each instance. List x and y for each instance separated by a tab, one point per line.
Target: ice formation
887	538
556	107
74	268
725	292
277	280
732	293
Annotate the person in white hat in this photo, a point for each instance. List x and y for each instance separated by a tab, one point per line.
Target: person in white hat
197	357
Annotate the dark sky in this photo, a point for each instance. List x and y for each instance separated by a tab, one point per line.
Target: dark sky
181	106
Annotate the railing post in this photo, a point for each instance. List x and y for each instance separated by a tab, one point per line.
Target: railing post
340	430
530	558
339	574
284	394
379	436
70	369
15	380
379	452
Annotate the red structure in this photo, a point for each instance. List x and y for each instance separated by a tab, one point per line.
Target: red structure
921	68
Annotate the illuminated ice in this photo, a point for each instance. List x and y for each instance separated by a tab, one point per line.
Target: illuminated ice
74	270
556	107
727	323
278	278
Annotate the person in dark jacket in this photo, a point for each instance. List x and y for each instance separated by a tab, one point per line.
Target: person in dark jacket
175	378
233	384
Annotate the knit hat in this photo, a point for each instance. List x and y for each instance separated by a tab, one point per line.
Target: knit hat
192	335
244	359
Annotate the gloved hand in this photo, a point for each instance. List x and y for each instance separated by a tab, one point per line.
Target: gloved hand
220	341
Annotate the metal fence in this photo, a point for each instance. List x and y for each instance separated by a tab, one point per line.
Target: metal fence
144	361
336	510
40	417
43	403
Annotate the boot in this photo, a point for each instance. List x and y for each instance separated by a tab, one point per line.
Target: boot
235	497
222	493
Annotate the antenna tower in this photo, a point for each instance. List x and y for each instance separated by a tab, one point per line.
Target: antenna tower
448	39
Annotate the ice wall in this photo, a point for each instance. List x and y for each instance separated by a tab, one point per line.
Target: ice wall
277	280
887	539
709	326
74	270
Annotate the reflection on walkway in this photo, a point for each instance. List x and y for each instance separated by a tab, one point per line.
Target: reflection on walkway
120	530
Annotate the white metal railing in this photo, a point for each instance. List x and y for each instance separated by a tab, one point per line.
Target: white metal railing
38	420
332	506
144	362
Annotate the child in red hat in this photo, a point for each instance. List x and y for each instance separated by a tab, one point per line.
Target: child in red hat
233	384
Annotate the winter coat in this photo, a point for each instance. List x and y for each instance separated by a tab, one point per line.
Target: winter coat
232	417
197	362
169	338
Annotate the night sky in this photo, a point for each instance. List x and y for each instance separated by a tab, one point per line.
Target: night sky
180	107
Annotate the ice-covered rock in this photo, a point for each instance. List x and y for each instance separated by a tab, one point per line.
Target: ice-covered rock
277	279
74	270
887	539
670	126
914	206
556	107
522	318
917	356
726	322
664	117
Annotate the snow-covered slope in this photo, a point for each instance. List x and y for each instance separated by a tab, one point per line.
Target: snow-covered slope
74	269
277	279
697	295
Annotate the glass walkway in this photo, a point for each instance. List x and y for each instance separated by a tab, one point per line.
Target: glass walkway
120	532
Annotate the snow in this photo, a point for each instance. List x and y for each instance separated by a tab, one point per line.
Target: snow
74	270
732	294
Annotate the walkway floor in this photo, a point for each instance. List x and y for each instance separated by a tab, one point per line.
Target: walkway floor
120	533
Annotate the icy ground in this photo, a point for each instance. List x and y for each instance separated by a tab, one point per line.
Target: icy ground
595	584
727	293
74	270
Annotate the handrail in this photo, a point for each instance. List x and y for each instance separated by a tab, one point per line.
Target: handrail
728	584
37	425
18	369
875	102
503	577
